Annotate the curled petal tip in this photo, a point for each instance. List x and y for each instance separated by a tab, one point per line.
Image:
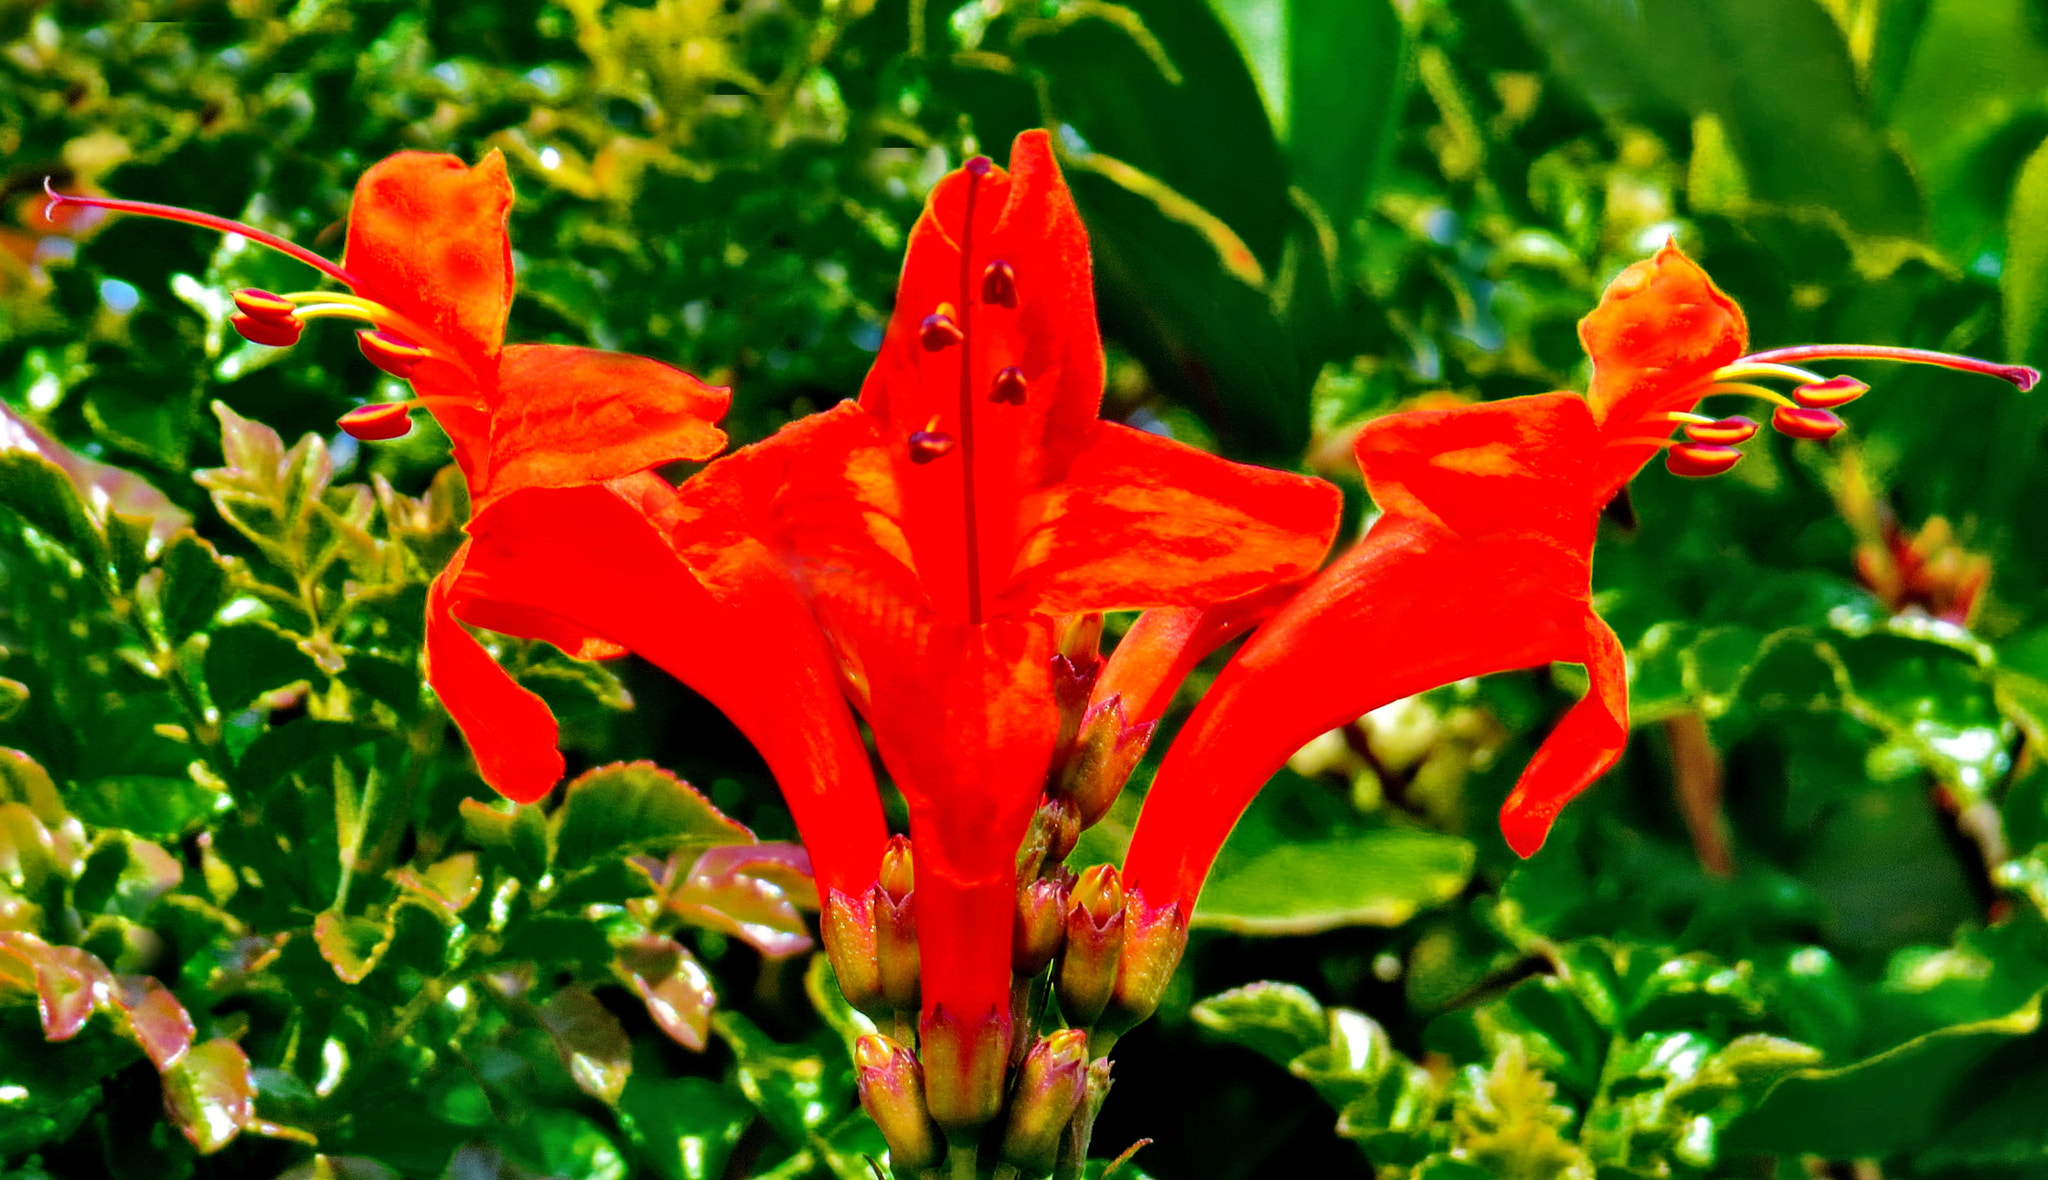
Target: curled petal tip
1806	423
377	421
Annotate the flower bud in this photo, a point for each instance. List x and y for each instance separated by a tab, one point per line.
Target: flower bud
1095	940
848	926
892	1092
1055	826
1154	941
1049	1089
964	1064
1102	759
896	954
1041	923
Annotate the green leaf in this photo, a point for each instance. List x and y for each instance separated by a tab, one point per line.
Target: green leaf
148	805
209	1095
593	1046
2024	281
1277	1020
793	1086
248	659
632	807
40	492
1348	73
1377	878
194	582
353	946
516	833
686	1128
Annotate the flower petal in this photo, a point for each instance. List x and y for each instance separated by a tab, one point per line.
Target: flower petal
597	558
426	236
1584	746
509	729
1166	643
1525	464
1662	328
1142	521
578	415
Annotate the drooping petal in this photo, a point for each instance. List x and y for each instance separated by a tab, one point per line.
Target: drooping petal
1411	608
598	559
1661	329
578	415
1004	258
427	237
1584	746
1524	465
509	729
1140	521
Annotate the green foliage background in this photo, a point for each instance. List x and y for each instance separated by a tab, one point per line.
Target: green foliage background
1800	927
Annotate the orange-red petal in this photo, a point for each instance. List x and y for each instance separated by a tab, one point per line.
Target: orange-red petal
510	730
1584	746
568	416
1166	643
1526	464
1661	330
427	237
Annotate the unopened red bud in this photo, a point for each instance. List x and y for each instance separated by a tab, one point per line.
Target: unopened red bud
393	354
1801	422
1009	386
1103	756
1698	460
1050	1086
892	1092
926	445
964	1064
1041	924
999	284
1725	432
378	421
264	305
1095	940
1055	827
896	953
940	329
848	926
273	332
1154	941
1826	395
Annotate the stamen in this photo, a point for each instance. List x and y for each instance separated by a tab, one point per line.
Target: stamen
999	284
930	443
390	353
263	305
1009	387
1700	460
1835	391
1683	416
2022	376
939	329
378	421
204	220
1721	431
276	333
1747	390
1747	368
1805	422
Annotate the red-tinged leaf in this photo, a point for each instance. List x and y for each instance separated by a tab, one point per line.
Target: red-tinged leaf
104	488
594	1047
209	1095
450	886
28	853
674	986
156	1020
748	897
352	946
338	1167
571	416
70	985
634	807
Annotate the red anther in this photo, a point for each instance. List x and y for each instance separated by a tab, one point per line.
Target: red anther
395	355
1826	395
1009	387
276	333
926	445
257	303
939	329
378	421
1726	432
1800	422
979	166
1698	460
999	284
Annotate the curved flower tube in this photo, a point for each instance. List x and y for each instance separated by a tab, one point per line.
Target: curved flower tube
1482	563
428	265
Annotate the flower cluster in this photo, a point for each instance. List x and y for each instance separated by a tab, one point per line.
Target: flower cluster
935	560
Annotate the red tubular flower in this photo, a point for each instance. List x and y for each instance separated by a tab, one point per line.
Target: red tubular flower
940	526
428	264
1481	563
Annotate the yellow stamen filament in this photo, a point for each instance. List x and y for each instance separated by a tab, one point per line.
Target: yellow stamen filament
1747	390
1697	419
1743	370
346	305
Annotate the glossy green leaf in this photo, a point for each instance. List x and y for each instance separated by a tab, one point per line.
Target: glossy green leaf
194	581
248	659
1377	878
1277	1020
2024	282
42	494
634	807
209	1094
592	1045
